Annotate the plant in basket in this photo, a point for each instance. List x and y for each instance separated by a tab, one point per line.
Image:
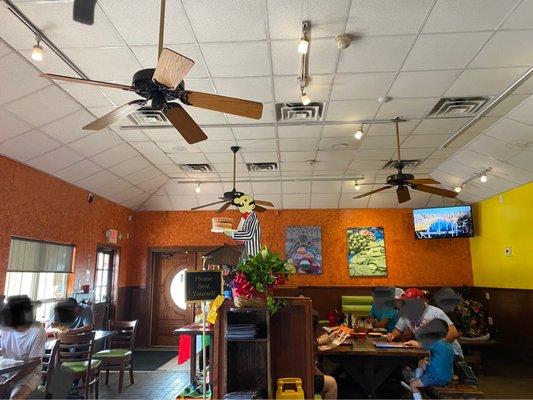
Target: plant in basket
257	276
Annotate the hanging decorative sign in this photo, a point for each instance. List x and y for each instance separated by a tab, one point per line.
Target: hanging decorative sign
249	229
202	285
112	236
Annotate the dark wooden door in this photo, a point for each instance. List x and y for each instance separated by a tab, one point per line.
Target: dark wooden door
103	286
169	311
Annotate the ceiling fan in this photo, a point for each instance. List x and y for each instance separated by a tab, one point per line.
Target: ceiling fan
162	85
228	197
406	181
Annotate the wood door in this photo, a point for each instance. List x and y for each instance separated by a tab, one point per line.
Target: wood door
103	286
168	309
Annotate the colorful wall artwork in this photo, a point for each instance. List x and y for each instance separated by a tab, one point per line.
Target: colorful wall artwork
366	251
303	248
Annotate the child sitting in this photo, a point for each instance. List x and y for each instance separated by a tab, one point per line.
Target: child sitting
438	371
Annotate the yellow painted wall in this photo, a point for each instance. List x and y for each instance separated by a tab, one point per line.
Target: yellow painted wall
502	221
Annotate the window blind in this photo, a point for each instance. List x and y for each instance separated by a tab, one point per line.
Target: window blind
26	255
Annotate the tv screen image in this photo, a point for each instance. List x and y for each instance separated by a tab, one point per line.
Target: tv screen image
443	222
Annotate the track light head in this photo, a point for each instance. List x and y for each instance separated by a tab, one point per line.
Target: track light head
37	50
458	189
358	135
483	178
303	46
357	186
305	99
198	188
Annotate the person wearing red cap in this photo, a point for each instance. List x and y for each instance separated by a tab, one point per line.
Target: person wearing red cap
408	324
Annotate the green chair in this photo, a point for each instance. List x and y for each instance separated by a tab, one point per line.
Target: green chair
357	305
118	356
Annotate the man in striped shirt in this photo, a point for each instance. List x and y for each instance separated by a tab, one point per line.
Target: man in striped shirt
248	230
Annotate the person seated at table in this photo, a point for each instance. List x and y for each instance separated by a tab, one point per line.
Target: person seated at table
21	338
73	315
418	313
385	315
438	370
325	385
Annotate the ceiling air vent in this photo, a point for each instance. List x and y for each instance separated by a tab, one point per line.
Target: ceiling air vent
406	163
297	112
148	117
450	107
196	168
262	166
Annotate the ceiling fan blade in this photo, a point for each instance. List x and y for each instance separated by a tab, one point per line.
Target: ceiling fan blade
83	11
207	205
403	194
115	115
372	192
224	207
230	105
264	203
260	209
54	77
171	68
423	181
435	190
185	125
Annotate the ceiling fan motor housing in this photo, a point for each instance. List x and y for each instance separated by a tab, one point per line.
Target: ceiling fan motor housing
145	87
399	179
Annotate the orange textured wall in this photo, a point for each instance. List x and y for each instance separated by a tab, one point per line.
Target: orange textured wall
39	206
409	261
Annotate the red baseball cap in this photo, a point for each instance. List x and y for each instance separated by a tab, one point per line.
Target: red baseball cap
413	293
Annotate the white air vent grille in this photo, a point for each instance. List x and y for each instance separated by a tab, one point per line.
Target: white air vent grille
297	112
263	166
148	117
196	168
406	164
450	107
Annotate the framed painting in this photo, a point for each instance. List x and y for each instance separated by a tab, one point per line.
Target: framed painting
366	251
303	248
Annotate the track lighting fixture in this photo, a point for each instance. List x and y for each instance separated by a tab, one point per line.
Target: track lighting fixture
359	133
198	188
357	187
37	51
483	178
305	98
458	189
303	46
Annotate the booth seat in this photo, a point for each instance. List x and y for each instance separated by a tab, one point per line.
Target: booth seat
356	305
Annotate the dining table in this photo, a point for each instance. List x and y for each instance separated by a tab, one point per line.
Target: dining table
193	331
100	338
368	365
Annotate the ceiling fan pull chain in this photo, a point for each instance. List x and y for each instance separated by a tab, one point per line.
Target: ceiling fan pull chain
398	139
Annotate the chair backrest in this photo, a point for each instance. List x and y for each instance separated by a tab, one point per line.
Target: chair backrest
356	305
125	338
49	363
75	347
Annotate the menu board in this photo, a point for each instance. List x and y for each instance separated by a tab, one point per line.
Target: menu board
202	285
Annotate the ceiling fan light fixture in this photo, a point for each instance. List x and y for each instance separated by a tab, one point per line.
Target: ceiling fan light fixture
198	188
37	50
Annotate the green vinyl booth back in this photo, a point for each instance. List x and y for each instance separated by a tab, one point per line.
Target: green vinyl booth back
357	305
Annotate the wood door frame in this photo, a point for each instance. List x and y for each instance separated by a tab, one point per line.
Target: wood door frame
113	302
150	268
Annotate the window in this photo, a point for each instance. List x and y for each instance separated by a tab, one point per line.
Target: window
40	270
177	289
102	282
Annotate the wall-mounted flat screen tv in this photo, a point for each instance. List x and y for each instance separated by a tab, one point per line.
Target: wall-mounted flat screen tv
443	222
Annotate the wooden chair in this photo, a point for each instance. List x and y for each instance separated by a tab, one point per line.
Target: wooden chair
118	356
48	365
455	390
75	354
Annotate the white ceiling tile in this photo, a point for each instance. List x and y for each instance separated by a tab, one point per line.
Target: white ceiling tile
523	160
511	131
474	160
520	17
237	59
480	82
158	203
266	156
299	131
440	126
296	201
11	126
296	187
286	58
383	200
28	145
55	19
146	147
457	170
127	196
136	202
344	130
300	166
160	135
96	142
44	106
4	50
508	104
255	88
229	20
506	49
51	62
523	113
360	165
327	17
245	187
183	202
445	51
499	184
216	145
131	135
408	108
89	96
179	146
383	17
332	155
351	110
204	116
287	88
495	148
143	175
482	125
446	178
266	187
139	25
303	144
147	56
375	54
361	86
377	142
337	165
333	187
129	166
422	83
293	156
387	129
325	200
114	155
268	116
256	132
513	173
101	111
415	141
257	145
228	168
78	171
375	154
69	128
105	63
20	78
418	153
171	170
189	158
97	180
55	160
350	202
223	158
471	15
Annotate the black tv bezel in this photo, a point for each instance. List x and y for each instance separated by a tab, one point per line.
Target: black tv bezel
443	238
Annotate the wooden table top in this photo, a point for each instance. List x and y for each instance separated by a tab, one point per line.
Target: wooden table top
365	347
98	336
194	329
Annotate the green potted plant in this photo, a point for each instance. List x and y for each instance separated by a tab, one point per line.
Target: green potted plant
256	278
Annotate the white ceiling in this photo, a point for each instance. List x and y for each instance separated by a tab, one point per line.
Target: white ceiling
416	51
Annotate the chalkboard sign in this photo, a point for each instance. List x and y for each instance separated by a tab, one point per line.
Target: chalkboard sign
202	285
